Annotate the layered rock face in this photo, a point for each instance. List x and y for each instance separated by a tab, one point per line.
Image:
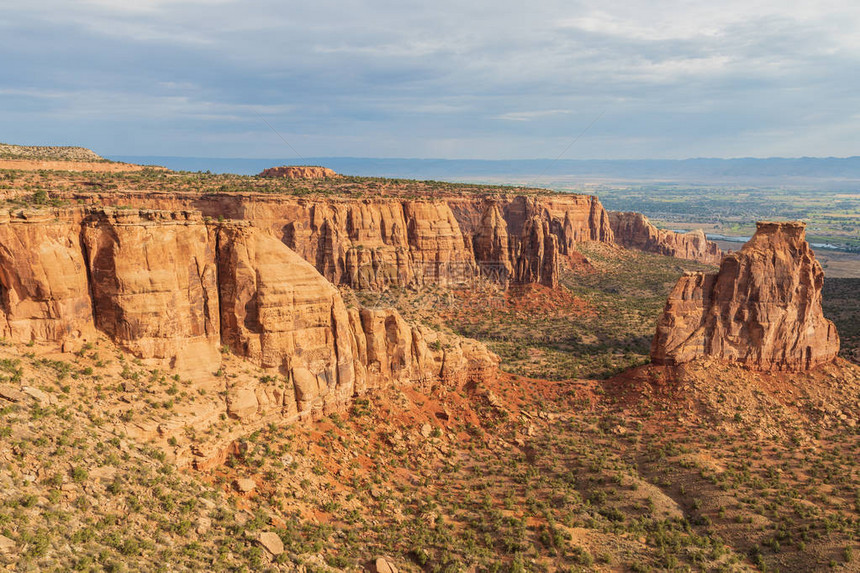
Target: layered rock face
44	293
278	311
537	255
395	352
298	172
523	239
175	287
635	231
762	309
372	243
153	281
437	249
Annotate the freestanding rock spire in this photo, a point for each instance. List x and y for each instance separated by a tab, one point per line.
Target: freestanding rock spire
762	309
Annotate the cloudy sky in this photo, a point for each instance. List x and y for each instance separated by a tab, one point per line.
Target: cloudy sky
449	79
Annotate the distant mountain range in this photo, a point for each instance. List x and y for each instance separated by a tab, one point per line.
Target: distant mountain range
804	171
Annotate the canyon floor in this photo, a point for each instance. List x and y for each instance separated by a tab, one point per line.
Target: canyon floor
578	456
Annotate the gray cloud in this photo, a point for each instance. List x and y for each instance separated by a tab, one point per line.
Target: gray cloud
417	79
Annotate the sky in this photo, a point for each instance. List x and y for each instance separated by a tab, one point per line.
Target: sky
442	79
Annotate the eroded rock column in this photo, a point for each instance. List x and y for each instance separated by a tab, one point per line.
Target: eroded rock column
762	310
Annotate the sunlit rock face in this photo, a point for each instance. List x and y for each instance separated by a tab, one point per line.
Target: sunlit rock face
762	309
635	231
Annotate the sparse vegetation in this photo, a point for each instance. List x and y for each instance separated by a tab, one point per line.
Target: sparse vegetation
567	461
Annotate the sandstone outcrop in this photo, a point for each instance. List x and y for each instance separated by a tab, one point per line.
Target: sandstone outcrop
176	287
154	284
762	309
437	248
491	243
44	294
375	243
372	243
278	311
635	231
537	254
392	351
523	239
298	172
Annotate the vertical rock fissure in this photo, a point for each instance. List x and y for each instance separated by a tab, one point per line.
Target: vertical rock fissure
410	259
218	282
4	308
85	253
335	345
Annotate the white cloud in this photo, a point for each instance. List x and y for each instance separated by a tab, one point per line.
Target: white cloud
688	77
530	115
139	7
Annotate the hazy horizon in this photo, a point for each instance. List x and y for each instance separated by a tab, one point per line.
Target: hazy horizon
823	173
297	160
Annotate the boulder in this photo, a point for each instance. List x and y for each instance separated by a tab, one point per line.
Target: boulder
7	545
271	542
384	565
245	485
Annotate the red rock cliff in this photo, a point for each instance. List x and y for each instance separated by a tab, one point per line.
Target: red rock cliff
279	312
175	287
369	243
635	231
44	293
762	309
153	284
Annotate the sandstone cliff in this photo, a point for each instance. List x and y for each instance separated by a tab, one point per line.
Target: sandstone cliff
44	293
762	309
635	231
523	239
298	172
153	282
175	287
372	243
278	311
395	352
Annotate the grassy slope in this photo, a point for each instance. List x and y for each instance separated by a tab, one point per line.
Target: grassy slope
597	324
